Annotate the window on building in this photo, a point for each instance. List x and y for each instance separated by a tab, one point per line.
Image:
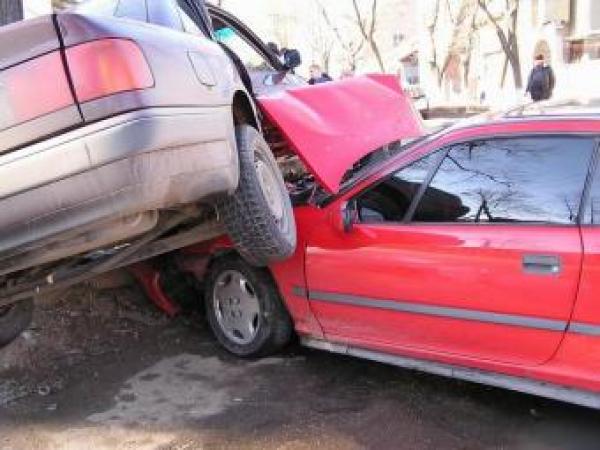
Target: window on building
558	11
595	15
592	48
582	49
535	11
574	50
534	180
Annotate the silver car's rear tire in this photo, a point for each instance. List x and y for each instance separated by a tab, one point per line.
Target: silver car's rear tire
258	216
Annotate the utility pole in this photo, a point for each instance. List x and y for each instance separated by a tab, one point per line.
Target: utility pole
10	11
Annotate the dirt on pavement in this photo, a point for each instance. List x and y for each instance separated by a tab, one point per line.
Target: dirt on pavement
105	370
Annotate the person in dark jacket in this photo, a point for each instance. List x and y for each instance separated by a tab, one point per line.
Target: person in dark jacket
541	80
317	75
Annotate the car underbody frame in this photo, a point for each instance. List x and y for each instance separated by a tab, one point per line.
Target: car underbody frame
175	230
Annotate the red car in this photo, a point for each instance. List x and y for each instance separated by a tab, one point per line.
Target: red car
472	253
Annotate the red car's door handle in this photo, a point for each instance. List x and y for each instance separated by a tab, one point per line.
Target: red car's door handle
542	264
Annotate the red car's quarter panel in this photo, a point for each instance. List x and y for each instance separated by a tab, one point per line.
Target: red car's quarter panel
587	309
579	356
456	288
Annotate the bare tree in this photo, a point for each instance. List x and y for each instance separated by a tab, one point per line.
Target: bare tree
463	35
10	11
507	35
432	28
470	45
350	45
322	44
367	27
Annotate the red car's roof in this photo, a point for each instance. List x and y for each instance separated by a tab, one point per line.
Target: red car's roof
332	126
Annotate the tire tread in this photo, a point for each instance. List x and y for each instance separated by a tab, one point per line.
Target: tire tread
246	215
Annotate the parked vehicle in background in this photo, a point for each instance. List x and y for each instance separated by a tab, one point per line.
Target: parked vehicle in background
472	253
122	122
420	99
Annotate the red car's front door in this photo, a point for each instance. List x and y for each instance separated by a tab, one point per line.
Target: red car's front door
485	263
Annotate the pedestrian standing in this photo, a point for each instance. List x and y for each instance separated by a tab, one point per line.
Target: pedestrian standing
317	76
541	80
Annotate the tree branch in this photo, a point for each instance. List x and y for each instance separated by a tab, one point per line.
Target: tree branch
368	32
347	46
359	19
373	18
494	22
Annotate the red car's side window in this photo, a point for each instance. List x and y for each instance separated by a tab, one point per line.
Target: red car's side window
591	212
504	180
515	180
390	200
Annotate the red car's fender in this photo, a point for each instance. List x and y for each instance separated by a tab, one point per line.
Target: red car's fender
288	274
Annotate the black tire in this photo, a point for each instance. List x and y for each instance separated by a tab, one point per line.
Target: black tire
14	320
274	325
261	233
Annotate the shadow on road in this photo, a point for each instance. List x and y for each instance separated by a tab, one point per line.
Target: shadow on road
145	383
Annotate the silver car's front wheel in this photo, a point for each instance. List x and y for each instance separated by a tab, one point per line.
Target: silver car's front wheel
258	217
244	308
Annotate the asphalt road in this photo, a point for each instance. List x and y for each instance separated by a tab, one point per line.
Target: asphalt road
156	384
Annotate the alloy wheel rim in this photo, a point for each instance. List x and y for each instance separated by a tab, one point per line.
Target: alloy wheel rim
236	307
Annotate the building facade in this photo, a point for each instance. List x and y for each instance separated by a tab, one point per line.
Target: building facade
326	32
463	61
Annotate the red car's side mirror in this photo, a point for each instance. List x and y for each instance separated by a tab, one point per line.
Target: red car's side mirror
344	219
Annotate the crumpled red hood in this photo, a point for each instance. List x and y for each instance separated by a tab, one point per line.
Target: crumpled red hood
331	126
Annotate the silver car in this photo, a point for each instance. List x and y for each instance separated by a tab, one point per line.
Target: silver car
125	119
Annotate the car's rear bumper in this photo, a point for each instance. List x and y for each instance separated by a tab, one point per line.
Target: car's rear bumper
139	161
